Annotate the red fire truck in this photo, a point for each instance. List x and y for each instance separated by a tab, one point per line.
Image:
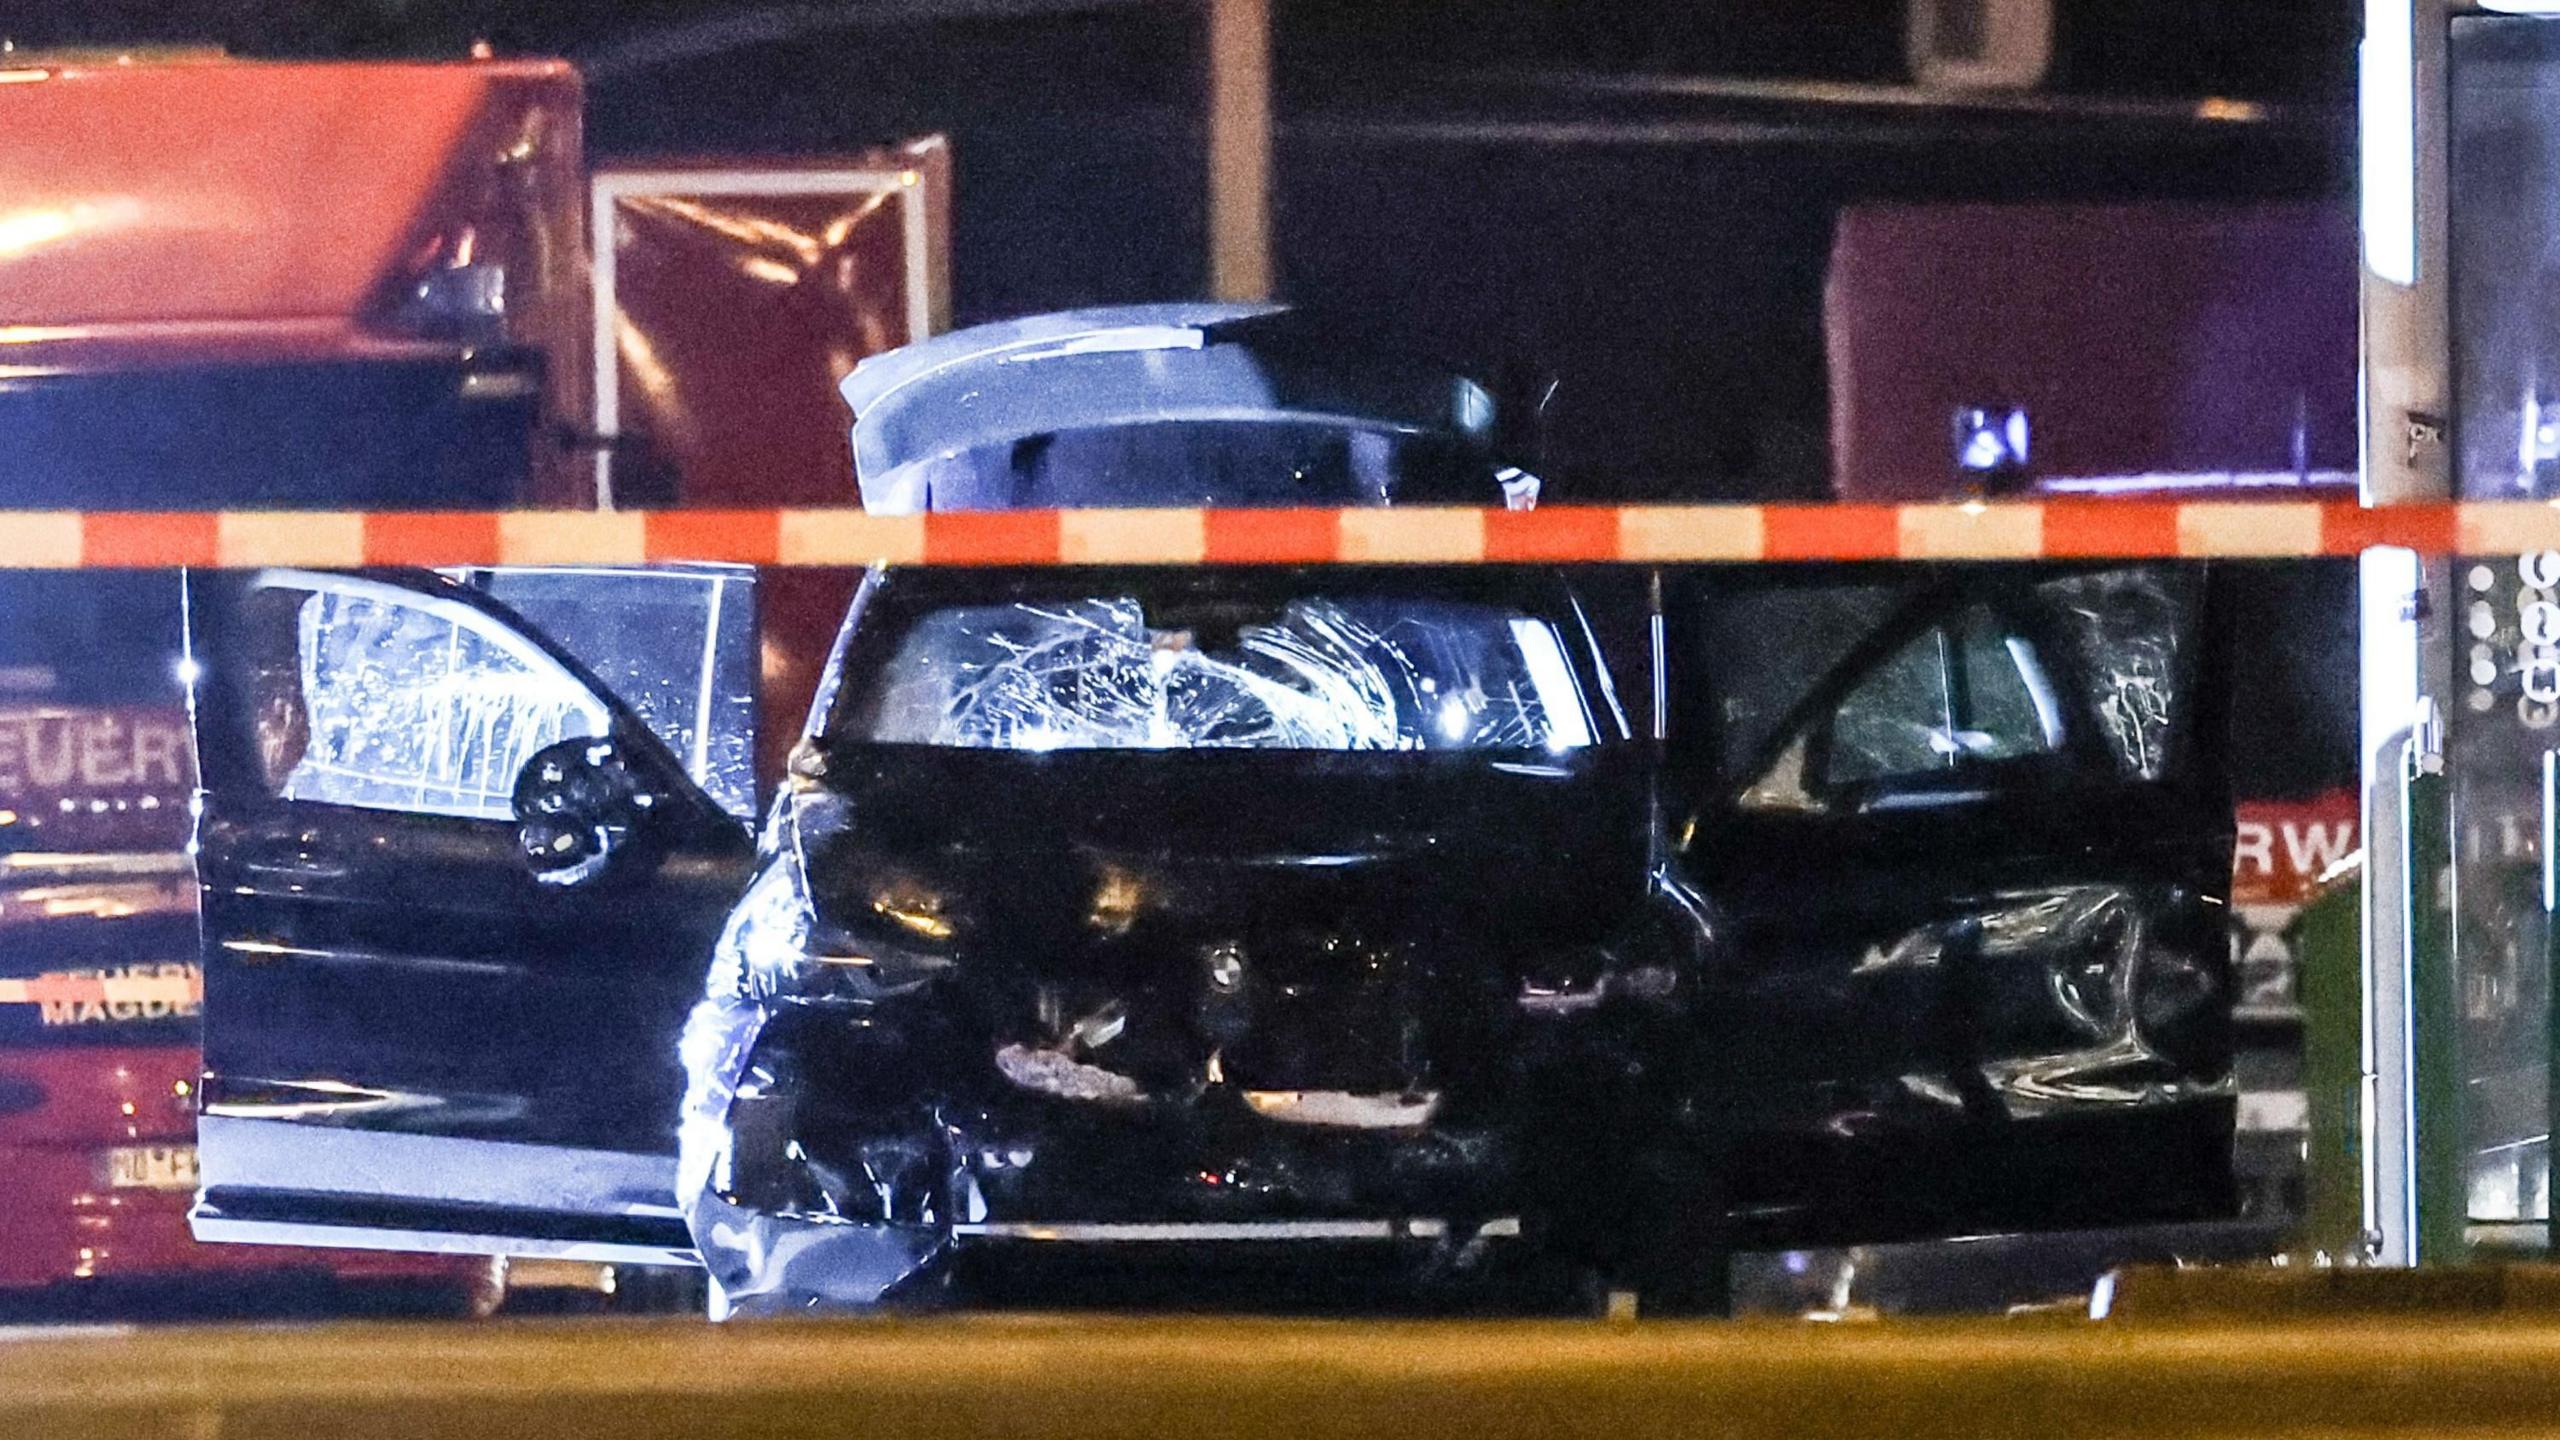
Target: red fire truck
228	285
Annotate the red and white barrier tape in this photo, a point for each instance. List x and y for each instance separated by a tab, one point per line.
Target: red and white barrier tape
2085	529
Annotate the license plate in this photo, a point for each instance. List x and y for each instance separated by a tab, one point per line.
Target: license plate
151	1167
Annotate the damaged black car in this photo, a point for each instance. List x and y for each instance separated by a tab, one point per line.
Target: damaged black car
1615	917
1622	918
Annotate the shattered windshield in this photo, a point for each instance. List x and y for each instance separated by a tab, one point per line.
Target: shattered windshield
1308	673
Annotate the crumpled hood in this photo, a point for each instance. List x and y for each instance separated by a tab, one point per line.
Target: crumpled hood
1069	859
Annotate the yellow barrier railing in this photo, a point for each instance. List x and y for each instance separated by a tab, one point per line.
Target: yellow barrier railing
1112	1379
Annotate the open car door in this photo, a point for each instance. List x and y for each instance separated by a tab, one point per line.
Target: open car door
1968	833
465	842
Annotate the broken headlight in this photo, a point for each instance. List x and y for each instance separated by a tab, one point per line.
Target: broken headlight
775	948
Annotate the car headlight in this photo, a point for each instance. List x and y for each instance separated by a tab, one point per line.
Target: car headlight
775	948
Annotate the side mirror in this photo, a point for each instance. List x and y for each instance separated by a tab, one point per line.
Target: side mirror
576	803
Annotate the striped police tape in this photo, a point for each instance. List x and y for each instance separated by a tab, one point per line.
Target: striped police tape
2077	529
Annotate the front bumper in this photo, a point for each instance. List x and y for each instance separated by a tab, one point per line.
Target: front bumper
768	1263
817	1171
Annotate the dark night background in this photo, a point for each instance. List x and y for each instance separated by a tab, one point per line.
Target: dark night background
1538	179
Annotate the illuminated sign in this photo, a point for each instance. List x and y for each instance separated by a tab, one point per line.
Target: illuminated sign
112	994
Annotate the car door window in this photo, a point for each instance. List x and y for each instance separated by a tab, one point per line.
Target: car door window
1768	648
2124	633
677	645
1900	720
1965	692
403	701
2010	708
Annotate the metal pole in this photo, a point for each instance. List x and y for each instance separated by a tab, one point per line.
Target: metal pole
2410	1044
2439	1181
2550	839
2393	585
1240	149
